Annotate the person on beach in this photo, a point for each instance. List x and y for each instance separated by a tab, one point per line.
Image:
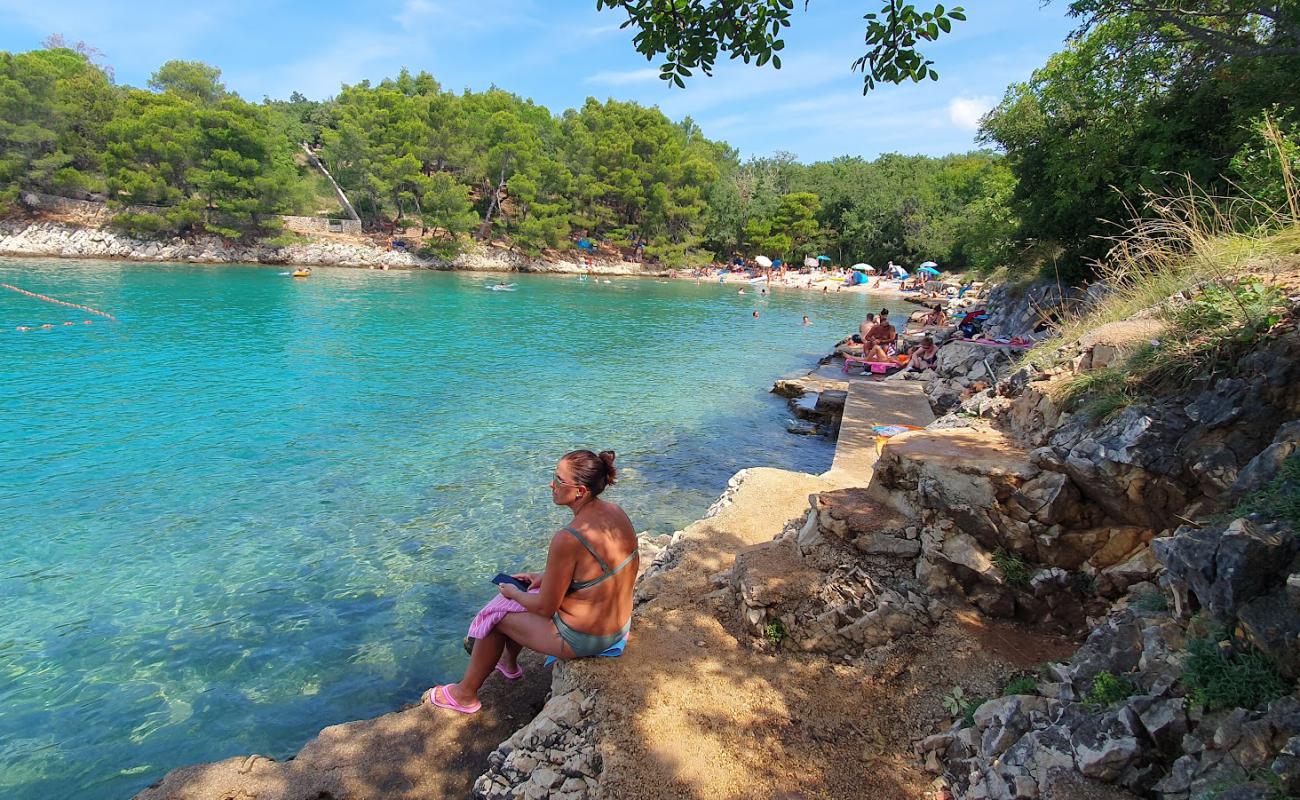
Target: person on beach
864	330
935	317
879	343
924	357
579	606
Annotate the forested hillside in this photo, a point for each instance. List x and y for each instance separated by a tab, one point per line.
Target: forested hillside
1117	112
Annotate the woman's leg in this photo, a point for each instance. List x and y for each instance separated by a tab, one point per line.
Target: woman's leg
520	629
510	658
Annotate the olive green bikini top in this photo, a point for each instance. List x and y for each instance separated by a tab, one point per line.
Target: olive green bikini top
608	573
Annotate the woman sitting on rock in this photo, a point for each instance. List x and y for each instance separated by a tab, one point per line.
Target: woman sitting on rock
580	606
924	357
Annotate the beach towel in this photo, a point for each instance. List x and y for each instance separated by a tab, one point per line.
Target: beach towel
496	609
615	650
492	613
893	430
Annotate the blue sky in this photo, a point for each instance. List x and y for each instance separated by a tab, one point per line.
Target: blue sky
559	52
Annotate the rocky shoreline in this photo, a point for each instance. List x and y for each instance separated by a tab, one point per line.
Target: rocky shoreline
52	239
1016	592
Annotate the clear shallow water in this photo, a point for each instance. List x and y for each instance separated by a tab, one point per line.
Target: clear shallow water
255	506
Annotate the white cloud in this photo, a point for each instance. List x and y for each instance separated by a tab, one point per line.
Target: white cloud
348	59
445	17
965	112
624	78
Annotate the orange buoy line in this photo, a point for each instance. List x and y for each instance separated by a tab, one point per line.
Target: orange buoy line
58	302
47	326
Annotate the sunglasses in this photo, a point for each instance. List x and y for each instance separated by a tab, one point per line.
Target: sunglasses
563	482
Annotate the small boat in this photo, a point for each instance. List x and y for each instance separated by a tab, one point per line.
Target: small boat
301	273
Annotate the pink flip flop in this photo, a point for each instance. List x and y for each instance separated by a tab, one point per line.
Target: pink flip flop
431	697
511	676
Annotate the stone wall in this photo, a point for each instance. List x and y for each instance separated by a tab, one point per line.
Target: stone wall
321	225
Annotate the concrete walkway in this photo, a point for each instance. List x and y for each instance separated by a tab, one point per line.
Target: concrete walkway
873	403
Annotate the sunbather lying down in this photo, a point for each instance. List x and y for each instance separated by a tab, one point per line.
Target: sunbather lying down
580	606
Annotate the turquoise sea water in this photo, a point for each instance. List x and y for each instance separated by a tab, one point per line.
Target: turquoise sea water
256	506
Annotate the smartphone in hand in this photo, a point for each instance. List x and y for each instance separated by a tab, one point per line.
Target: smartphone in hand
511	579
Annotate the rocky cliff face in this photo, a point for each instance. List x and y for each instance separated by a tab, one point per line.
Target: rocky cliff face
1028	509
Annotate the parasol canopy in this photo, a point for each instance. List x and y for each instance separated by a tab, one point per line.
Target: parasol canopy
928	269
763	261
823	258
860	267
929	264
810	262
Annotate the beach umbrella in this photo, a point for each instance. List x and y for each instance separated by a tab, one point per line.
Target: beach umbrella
860	267
823	258
928	269
810	262
763	261
929	264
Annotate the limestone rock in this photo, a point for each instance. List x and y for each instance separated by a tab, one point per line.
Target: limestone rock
1106	745
1225	566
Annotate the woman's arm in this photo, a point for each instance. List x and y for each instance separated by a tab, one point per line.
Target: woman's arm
560	563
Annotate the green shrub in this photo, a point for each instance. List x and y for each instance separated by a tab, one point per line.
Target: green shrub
1280	499
1097	393
958	704
775	633
285	239
1222	675
141	224
444	249
1150	601
1013	568
1107	690
1022	685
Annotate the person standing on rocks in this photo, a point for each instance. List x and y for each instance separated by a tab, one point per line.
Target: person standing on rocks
579	607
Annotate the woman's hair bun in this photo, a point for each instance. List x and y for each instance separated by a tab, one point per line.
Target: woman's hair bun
611	472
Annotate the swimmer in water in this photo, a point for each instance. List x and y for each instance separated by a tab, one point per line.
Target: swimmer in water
755	315
742	291
805	320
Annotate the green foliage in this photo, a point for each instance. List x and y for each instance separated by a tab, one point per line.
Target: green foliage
192	80
1222	675
1107	690
775	633
1097	393
893	34
1280	499
440	248
286	239
1209	332
909	208
1150	601
959	705
691	35
1274	141
53	108
1021	685
1013	568
490	163
1128	108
